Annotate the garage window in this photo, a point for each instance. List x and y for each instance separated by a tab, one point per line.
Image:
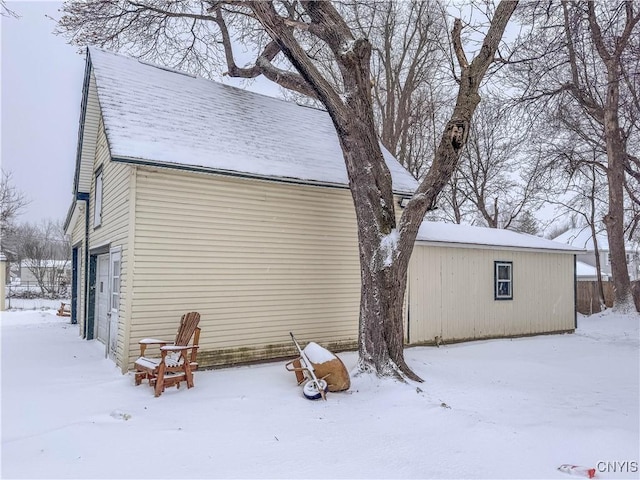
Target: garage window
503	280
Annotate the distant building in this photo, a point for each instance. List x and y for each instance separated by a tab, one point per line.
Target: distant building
587	273
581	237
53	271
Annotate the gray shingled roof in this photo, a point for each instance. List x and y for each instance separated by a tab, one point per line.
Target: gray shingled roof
154	115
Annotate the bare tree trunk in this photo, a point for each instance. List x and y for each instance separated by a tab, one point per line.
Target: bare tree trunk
384	249
600	48
616	155
614	219
596	249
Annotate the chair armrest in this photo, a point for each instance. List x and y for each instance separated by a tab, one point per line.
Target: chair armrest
176	348
152	341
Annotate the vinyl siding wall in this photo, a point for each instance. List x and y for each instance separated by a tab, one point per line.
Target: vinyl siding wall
117	180
91	125
89	136
257	259
77	240
451	294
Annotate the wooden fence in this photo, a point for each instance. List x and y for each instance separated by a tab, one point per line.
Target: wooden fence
588	300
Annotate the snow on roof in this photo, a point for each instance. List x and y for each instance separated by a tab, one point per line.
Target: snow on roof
586	270
159	116
581	237
439	232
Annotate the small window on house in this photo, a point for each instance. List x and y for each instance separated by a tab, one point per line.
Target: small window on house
503	284
97	213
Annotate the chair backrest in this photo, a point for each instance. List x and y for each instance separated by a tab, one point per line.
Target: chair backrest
188	324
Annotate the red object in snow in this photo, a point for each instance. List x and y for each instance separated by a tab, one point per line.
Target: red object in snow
577	470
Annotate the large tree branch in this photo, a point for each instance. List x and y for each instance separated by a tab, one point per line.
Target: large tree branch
621	41
630	24
455	134
350	53
457	44
328	25
263	64
575	86
596	33
282	34
632	166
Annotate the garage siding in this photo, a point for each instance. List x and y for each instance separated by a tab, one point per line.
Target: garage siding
452	294
257	259
117	180
78	240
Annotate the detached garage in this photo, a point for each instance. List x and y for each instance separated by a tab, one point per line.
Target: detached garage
469	283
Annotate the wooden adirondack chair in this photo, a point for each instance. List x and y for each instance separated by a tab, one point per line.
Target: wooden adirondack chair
177	361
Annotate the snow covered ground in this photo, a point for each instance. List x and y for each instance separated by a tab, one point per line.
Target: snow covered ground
34	303
491	409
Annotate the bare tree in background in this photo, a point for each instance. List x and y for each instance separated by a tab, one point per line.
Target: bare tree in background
45	251
295	32
454	205
6	11
497	179
585	200
12	202
412	90
586	55
502	176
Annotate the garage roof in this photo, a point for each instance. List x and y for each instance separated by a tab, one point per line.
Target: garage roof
452	233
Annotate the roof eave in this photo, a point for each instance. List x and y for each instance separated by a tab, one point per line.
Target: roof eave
83	115
233	173
485	246
73	212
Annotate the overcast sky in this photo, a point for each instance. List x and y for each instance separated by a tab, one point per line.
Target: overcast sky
41	92
41	77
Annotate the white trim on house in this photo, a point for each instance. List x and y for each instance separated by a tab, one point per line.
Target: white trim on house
99	246
77	209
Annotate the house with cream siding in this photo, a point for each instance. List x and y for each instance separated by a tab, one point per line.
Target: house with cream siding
190	195
193	195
